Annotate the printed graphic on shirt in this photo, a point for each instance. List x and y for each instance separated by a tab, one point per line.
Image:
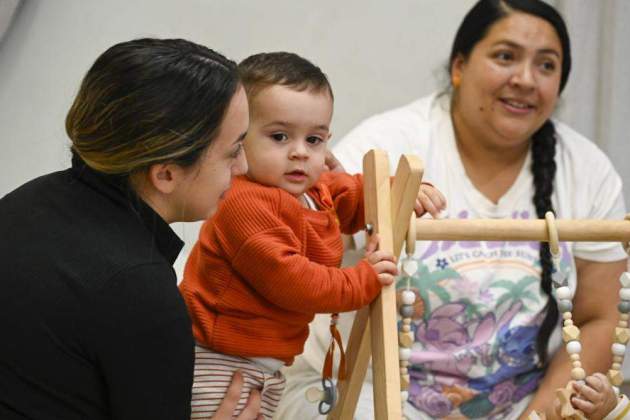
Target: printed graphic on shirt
475	330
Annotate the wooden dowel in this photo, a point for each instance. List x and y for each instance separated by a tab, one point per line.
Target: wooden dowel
521	230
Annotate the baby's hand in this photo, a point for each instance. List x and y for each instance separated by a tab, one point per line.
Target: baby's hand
596	398
430	199
383	262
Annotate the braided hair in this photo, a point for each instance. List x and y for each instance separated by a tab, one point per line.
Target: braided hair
544	172
473	29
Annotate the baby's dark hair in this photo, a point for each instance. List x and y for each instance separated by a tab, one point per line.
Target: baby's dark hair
263	70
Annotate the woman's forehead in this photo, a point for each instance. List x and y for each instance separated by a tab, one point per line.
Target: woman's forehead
525	31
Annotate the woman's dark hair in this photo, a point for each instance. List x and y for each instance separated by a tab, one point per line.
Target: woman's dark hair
149	101
473	29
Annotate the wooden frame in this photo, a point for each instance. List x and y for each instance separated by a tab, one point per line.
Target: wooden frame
388	211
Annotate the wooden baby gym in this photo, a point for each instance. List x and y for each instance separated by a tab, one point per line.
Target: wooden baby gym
389	212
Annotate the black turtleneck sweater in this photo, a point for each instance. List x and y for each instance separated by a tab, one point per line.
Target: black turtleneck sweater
92	325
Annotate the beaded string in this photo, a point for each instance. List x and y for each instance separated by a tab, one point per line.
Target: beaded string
570	331
408	297
622	333
564	296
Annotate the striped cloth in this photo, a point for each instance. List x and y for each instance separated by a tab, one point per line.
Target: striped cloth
213	375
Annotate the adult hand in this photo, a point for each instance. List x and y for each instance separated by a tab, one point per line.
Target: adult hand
233	395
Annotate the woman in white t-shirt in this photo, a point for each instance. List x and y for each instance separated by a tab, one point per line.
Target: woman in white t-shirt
486	340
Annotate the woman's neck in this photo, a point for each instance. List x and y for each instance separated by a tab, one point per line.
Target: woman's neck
152	197
491	169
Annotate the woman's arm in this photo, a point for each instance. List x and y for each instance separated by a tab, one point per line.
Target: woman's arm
595	313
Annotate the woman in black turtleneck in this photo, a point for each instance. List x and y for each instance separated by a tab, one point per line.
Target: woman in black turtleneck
92	323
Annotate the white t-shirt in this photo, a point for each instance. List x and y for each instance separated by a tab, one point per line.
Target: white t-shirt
474	353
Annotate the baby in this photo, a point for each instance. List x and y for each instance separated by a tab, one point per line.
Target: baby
268	260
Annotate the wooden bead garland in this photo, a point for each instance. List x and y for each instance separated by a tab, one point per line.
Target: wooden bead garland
571	333
621	334
564	296
407	309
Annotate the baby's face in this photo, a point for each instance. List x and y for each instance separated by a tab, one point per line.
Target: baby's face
286	141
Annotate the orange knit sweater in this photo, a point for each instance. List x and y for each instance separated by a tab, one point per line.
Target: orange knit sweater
264	265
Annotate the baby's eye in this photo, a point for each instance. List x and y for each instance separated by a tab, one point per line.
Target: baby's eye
279	136
314	140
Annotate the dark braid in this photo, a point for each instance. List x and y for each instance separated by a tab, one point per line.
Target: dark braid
544	171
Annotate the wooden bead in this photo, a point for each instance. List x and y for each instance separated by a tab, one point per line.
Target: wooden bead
404	371
567	315
574	347
406	328
624	293
404	363
570	333
616	366
618	349
407	311
409	267
405	339
578	374
563	397
574	357
615	377
408	297
577	364
622	323
565	305
624	317
563	293
623	307
568	322
618	359
404	353
406	321
404	382
622	335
